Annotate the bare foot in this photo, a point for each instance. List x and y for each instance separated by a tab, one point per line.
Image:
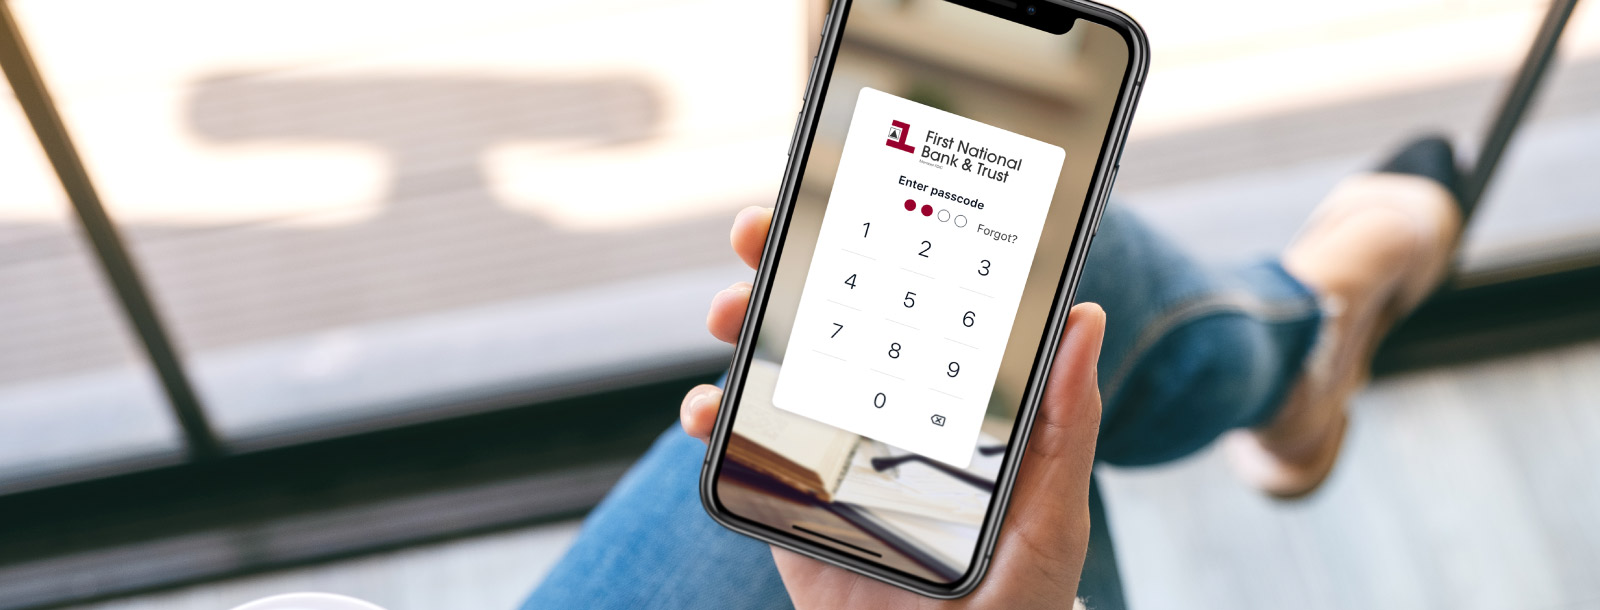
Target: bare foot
1372	252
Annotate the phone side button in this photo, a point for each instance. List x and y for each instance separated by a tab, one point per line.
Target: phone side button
1111	182
811	77
794	135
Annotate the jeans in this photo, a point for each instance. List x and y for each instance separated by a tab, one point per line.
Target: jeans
1190	353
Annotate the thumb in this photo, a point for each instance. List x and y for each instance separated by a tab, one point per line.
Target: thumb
1046	533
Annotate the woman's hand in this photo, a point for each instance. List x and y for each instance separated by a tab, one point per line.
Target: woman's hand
1046	533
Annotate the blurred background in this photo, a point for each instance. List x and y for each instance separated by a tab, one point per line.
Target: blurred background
433	274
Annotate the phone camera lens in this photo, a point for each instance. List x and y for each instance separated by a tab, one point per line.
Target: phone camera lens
1032	10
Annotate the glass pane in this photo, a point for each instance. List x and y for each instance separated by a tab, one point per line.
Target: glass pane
391	207
1255	109
1541	207
75	391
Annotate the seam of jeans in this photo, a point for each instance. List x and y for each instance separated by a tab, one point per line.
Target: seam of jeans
1197	309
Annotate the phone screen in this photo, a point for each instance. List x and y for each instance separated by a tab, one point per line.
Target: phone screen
932	223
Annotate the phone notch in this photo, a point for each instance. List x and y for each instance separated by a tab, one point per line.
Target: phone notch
1037	14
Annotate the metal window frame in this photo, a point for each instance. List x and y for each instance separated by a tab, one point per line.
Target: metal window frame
200	440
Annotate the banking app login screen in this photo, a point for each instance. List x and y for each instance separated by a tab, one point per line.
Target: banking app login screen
920	265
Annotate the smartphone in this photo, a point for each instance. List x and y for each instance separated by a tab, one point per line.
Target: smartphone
947	172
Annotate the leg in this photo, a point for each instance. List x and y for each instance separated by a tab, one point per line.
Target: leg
1100	585
1188	354
651	545
1191	352
1377	246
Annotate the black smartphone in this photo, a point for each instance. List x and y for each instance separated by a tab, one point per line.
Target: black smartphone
946	176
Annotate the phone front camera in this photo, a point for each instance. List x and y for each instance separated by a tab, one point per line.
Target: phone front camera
1032	10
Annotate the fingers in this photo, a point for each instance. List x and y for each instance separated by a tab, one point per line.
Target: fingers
727	312
1060	456
749	233
699	411
1069	416
1047	528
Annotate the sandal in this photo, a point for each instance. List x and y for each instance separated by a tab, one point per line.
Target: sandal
1290	456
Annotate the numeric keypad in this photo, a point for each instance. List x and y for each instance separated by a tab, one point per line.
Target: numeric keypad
915	282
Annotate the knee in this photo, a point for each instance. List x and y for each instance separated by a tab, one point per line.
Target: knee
1202	379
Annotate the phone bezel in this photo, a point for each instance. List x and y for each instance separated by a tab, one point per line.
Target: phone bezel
1088	222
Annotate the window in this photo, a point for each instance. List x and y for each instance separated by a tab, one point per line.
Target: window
75	389
358	211
1254	110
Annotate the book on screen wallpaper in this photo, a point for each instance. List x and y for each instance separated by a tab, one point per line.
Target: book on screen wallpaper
801	453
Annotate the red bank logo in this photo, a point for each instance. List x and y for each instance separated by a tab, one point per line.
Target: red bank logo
898	132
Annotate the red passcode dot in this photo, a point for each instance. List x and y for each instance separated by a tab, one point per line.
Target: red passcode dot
911	204
927	210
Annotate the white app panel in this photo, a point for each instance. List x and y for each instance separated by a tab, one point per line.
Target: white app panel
919	268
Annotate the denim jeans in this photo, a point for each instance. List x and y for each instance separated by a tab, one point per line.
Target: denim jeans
1190	353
